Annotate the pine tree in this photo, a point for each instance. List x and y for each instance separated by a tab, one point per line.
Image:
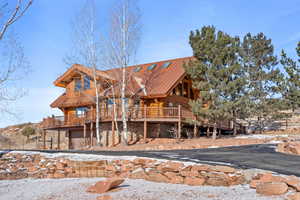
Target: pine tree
262	76
291	86
217	74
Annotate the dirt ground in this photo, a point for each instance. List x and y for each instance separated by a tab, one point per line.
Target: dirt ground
73	189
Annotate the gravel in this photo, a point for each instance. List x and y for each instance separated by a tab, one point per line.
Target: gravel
74	189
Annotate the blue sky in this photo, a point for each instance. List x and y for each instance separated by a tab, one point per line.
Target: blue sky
45	33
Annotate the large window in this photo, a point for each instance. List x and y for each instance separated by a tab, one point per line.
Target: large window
80	111
77	84
87	82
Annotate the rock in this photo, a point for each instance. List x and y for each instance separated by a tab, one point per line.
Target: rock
224	169
218	181
200	168
170	167
104	186
104	197
157	177
176	180
293	182
273	188
138	174
193	173
295	196
194	181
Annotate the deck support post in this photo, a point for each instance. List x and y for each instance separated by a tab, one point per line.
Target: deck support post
44	139
91	134
84	134
58	139
145	122
113	133
195	130
179	121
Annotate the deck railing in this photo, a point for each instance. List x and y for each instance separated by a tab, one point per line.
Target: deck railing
109	114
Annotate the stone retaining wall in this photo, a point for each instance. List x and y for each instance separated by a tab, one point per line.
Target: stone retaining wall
18	166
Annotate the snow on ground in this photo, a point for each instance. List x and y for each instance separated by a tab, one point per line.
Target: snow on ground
91	157
74	189
260	136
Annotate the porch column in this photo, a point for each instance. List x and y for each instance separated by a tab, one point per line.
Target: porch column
179	121
44	139
145	122
84	134
91	133
113	132
58	139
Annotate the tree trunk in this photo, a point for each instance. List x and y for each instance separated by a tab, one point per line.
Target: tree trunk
124	135
214	135
234	127
97	107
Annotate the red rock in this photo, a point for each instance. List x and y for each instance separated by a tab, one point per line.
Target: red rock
104	197
170	167
218	181
295	196
32	169
293	181
138	174
170	174
176	180
157	177
200	168
104	186
194	181
193	173
224	169
60	166
273	188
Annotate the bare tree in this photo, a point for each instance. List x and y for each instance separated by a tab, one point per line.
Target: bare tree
13	63
124	38
86	48
9	15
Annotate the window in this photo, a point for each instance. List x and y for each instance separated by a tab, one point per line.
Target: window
77	84
87	82
166	65
137	69
80	111
151	67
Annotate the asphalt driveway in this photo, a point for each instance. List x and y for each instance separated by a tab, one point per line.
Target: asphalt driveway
261	156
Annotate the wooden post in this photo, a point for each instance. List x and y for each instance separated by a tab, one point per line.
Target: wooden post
113	132
179	121
84	134
91	133
145	122
195	130
58	139
44	139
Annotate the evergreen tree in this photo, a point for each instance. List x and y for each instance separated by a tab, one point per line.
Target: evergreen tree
217	74
262	76
291	86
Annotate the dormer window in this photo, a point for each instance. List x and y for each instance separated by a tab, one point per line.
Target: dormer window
86	82
78	85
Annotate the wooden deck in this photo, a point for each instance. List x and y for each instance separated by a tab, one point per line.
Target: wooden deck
150	114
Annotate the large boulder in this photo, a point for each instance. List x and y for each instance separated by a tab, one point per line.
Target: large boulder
272	188
106	185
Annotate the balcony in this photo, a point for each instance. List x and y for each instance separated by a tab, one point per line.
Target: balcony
155	114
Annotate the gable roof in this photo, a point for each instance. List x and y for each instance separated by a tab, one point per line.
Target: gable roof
141	80
62	80
157	82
